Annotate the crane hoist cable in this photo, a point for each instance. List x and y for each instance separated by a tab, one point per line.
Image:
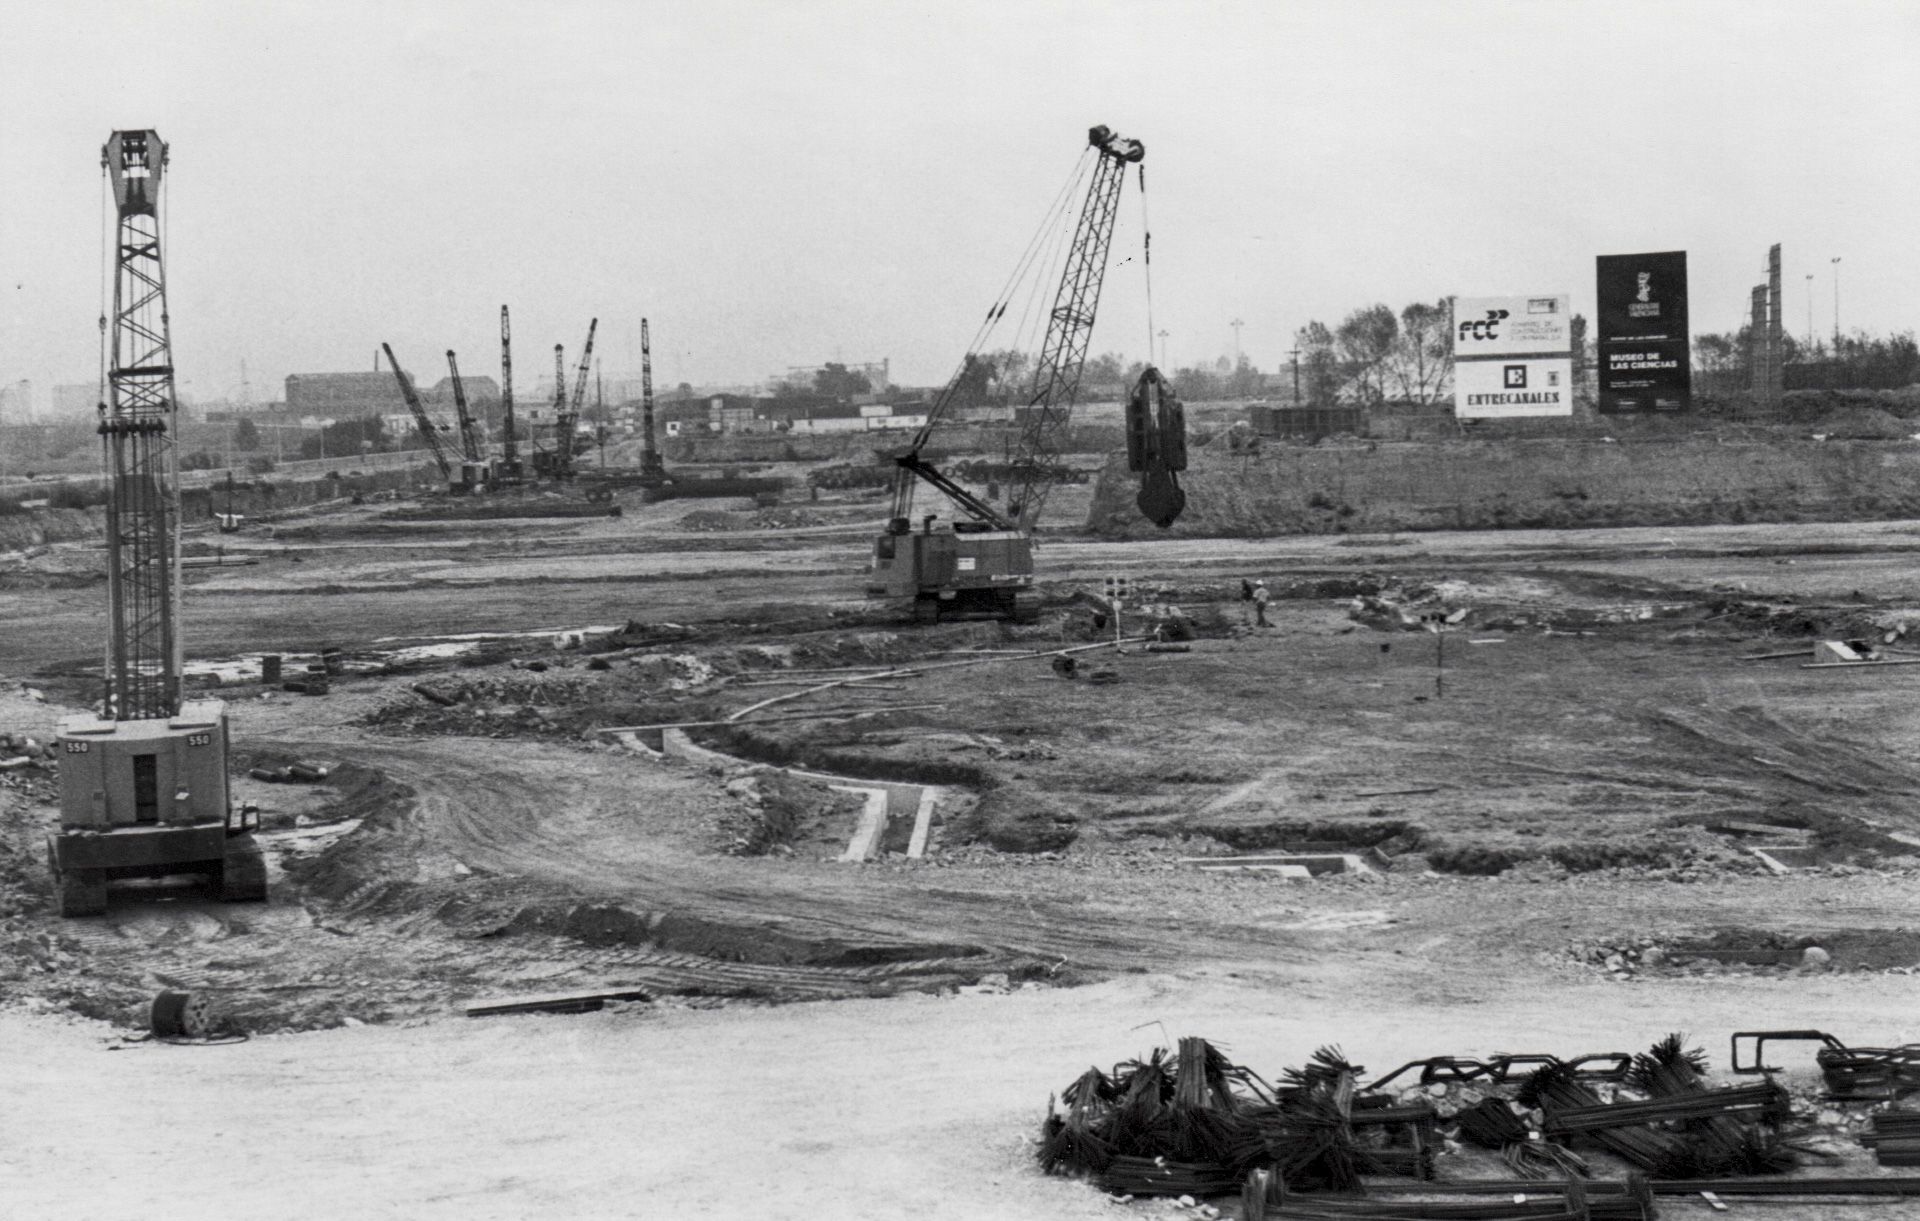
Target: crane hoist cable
995	312
1146	257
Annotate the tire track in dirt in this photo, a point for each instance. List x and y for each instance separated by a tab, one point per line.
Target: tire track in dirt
566	821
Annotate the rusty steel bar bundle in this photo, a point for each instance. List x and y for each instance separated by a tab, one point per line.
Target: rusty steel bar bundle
1901	1186
1768	1101
1555	1092
1577	1200
1869	1074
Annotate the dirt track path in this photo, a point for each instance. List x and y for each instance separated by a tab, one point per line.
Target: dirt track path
625	831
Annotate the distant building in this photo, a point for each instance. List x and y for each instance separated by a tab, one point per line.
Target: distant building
734	413
481	392
344	395
844	417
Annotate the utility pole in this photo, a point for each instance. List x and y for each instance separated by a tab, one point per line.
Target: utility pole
1836	308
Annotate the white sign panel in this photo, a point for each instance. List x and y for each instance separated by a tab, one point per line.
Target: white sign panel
1511	326
1503	389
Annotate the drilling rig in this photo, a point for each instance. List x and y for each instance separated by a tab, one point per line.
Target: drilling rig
984	565
566	422
653	472
507	468
473	447
143	785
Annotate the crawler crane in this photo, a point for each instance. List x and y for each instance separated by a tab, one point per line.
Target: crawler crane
984	565
143	785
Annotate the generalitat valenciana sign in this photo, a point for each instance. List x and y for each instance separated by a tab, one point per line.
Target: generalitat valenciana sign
1643	346
1512	356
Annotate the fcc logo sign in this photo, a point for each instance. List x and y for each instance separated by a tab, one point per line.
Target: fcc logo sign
1516	377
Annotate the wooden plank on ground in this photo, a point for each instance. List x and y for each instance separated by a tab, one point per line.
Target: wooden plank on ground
561	1002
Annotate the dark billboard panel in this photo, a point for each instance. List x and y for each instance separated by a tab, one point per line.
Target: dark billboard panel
1646	361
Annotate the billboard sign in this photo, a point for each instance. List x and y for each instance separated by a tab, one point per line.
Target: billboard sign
1645	356
1512	386
1512	357
1511	326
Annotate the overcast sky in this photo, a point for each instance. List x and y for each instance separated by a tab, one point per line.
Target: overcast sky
779	184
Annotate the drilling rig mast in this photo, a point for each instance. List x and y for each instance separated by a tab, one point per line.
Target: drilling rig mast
473	464
143	786
507	469
567	414
653	471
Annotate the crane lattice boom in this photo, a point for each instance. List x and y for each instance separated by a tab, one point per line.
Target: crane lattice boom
470	443
421	419
1056	380
143	519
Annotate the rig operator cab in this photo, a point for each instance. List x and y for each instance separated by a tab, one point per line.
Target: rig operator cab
970	568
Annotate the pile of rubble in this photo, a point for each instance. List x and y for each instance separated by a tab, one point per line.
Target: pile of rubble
19	750
708	520
774	518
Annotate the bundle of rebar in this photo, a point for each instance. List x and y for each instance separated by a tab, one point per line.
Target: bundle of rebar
1541	1160
1824	1186
1155	1127
1502	1200
1151	1176
1617	1200
1491	1124
1554	1091
1869	1074
1310	1125
1766	1101
1722	1142
1894	1137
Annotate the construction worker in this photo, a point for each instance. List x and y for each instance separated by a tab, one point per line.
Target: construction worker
1260	598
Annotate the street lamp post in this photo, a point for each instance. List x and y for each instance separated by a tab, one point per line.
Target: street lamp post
1836	307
